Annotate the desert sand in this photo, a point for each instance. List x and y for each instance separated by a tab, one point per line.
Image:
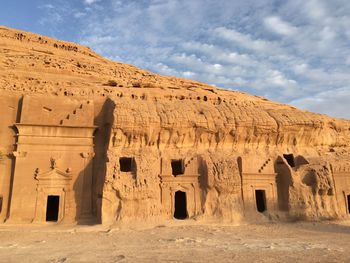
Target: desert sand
179	241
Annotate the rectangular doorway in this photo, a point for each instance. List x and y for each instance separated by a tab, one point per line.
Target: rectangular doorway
180	205
348	204
52	208
0	204
260	199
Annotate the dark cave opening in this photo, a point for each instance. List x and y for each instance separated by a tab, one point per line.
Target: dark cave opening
290	159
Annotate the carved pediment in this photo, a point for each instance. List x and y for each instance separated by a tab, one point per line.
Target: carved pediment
54	175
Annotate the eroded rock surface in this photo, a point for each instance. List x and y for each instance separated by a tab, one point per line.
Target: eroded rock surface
85	138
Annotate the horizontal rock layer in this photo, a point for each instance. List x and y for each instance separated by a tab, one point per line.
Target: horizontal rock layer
118	132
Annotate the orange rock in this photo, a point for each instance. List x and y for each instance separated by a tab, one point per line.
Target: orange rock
85	138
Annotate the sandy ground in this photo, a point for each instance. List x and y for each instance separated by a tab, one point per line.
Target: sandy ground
181	241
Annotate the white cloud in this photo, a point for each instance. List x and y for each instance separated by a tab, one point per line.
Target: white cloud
90	2
222	55
277	78
245	40
164	69
316	10
48	6
188	74
334	102
277	25
79	14
294	51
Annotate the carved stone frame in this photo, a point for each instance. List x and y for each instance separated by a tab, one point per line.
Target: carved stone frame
54	182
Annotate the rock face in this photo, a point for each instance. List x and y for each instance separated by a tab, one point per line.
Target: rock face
85	138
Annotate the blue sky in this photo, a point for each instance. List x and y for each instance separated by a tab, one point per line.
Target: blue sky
291	51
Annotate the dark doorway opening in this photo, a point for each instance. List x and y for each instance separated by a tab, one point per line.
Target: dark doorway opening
52	208
125	164
349	204
177	167
180	205
0	204
290	159
260	199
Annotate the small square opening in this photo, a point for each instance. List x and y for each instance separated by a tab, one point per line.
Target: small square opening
177	167
290	159
126	164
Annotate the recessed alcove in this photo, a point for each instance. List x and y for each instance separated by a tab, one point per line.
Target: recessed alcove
290	159
177	167
126	164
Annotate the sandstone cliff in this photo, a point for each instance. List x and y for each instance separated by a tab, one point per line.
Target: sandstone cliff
231	145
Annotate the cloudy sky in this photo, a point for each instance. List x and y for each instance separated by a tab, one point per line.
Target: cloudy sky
291	51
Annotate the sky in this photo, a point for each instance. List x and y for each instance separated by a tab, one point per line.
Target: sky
291	51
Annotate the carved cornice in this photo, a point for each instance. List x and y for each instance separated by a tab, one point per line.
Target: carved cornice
188	178
87	154
18	154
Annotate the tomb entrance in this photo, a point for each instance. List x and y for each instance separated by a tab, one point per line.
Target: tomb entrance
180	205
53	188
52	208
260	200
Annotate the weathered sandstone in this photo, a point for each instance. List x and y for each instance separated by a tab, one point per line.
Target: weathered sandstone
85	138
